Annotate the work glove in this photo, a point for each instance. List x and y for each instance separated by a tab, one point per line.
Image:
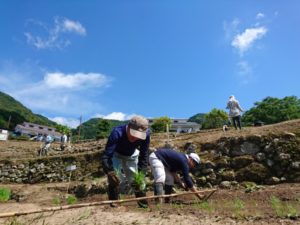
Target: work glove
113	179
107	164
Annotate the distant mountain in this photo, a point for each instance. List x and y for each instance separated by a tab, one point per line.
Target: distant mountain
198	118
90	129
9	107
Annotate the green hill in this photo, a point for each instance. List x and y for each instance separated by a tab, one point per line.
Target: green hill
198	118
9	107
92	128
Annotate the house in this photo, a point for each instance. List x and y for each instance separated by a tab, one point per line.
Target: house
181	126
32	129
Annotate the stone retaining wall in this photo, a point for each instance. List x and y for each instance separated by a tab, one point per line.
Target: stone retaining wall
49	169
261	159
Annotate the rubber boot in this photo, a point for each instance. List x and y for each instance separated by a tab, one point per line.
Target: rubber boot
141	203
168	191
158	190
113	194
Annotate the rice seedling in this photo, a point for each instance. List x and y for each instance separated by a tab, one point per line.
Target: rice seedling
5	194
71	199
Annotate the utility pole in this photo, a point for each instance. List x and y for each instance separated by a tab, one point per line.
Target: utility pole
8	123
168	136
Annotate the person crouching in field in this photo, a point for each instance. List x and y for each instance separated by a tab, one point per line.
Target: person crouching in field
165	163
126	154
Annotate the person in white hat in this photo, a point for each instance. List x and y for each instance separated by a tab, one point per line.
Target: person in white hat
125	154
165	163
235	112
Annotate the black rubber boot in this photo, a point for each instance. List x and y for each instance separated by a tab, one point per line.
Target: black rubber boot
168	191
113	194
141	203
158	190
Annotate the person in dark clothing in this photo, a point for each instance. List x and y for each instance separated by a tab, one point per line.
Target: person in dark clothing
165	163
125	154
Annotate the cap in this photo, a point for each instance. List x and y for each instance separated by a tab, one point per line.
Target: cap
138	126
195	157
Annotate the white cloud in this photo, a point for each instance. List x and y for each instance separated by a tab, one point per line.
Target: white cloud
43	37
73	26
70	122
246	39
115	116
78	93
259	16
76	80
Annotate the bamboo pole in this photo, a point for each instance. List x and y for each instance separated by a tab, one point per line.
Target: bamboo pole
57	208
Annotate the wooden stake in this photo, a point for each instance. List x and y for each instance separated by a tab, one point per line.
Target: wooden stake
57	208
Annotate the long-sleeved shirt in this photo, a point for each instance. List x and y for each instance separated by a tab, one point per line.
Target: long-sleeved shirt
118	142
175	162
234	108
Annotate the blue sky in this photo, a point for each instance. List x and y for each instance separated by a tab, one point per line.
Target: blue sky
115	59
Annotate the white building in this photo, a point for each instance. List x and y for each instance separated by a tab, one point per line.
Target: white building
181	126
32	129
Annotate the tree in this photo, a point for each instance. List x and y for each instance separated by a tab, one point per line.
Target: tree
273	110
160	124
104	127
198	118
62	129
214	119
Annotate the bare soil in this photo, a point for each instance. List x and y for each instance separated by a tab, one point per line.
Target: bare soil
233	206
278	204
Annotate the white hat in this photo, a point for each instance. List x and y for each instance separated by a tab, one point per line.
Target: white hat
195	157
138	126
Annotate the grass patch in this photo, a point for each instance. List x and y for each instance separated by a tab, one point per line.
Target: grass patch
14	221
277	206
5	194
71	199
250	187
238	206
177	206
86	214
283	210
56	201
291	212
205	205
